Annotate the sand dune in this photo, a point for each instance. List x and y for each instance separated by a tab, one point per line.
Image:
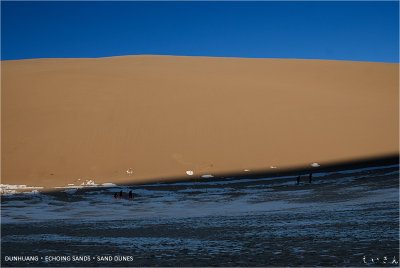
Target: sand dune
140	118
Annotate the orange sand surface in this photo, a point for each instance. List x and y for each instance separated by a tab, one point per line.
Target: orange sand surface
69	120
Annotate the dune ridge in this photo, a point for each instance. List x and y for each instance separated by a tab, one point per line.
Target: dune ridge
146	118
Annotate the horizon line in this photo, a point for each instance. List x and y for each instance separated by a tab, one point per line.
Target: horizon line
197	56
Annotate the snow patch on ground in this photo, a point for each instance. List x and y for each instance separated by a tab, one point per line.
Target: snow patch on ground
86	184
8	189
89	183
109	184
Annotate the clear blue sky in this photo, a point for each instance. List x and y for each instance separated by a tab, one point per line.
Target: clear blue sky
358	31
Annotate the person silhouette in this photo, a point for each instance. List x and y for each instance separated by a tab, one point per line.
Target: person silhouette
130	195
310	178
120	194
298	180
115	196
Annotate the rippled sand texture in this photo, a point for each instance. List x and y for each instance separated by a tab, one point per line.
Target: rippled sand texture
141	118
335	221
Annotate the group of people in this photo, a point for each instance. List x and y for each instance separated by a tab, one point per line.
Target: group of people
130	195
309	179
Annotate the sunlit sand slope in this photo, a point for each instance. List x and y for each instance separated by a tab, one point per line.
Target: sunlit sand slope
69	120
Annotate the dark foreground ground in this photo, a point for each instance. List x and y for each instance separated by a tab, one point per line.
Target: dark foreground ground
337	220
